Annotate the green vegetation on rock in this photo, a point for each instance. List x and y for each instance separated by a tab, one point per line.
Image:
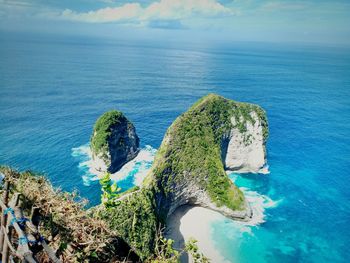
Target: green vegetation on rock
114	141
101	133
134	218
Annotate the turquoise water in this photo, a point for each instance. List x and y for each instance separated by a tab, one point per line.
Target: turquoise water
130	175
53	90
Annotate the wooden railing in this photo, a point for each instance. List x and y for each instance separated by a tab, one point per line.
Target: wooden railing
18	234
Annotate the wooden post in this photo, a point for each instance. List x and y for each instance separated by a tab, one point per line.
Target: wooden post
22	249
5	197
5	249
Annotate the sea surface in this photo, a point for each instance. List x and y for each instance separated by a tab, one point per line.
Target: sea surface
52	90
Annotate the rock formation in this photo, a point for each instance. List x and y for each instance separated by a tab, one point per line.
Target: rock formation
214	134
114	142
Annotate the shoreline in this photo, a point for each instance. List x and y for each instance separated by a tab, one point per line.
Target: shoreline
194	222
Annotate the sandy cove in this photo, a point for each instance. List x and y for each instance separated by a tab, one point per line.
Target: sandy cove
189	221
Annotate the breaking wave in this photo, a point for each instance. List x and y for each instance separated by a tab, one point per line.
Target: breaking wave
131	174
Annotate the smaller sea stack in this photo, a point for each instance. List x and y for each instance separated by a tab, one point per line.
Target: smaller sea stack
114	142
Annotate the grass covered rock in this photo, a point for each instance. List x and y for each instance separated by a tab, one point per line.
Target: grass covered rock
114	141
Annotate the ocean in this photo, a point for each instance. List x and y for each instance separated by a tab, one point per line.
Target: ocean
52	90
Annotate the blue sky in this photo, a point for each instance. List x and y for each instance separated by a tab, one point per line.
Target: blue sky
241	20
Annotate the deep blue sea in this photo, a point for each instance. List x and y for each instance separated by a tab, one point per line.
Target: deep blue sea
52	90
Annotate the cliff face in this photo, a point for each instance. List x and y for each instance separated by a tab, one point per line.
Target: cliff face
114	142
214	134
245	152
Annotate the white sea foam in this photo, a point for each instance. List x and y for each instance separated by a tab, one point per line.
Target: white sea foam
137	168
258	203
83	155
264	169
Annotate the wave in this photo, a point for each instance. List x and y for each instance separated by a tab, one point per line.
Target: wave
131	174
137	169
84	157
264	169
258	203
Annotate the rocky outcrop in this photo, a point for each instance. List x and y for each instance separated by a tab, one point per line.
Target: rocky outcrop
245	152
214	135
114	142
190	193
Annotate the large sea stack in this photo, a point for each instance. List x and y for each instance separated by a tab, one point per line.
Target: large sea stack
114	142
214	135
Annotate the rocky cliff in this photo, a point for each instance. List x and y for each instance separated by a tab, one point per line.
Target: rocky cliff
114	142
214	134
244	151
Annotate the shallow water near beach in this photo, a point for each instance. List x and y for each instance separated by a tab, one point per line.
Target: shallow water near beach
53	90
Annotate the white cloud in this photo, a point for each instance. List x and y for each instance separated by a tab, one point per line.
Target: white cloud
164	9
16	3
125	12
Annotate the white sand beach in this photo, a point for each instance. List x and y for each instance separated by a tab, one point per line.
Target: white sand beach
196	222
187	222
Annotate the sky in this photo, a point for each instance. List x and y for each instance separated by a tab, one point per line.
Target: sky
314	21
